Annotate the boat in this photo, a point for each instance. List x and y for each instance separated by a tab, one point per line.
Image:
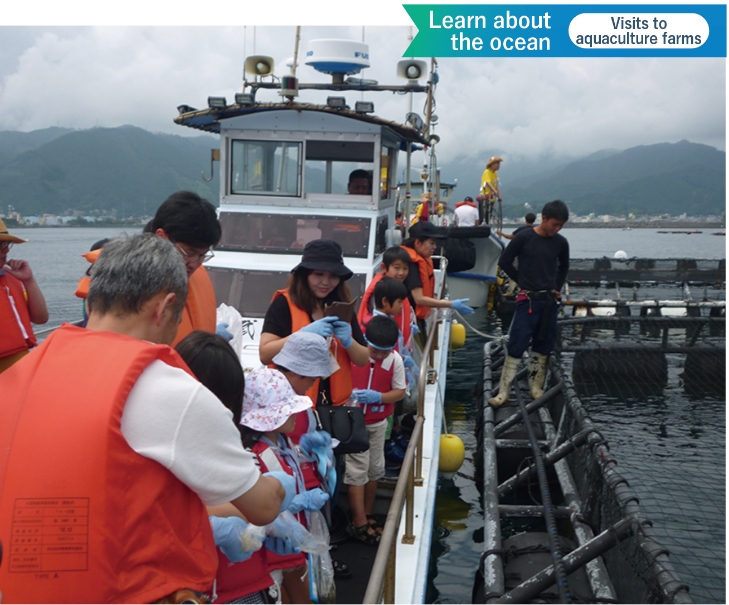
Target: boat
283	170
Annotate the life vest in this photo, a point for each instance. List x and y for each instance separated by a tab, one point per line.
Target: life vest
235	580
464	203
270	460
82	290
427	278
340	383
378	377
83	517
16	334
364	313
199	311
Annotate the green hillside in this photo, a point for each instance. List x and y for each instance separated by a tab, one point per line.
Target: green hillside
645	180
126	170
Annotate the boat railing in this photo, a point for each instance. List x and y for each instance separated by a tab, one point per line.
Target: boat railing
381	585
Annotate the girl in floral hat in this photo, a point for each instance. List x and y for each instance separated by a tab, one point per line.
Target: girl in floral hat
269	413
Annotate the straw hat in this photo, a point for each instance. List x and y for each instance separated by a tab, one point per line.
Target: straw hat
493	160
6	237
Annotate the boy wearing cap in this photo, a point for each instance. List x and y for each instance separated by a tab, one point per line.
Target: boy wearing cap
21	302
377	387
420	281
466	214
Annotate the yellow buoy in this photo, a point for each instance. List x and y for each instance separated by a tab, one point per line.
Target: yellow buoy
452	453
458	335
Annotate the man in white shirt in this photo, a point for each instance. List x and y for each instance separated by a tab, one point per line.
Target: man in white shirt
466	213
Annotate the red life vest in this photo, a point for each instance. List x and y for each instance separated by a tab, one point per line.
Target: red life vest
83	517
236	580
459	204
199	311
427	278
374	376
82	290
364	313
16	334
270	460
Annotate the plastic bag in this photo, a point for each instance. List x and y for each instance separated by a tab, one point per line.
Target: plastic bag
321	569
287	526
252	537
231	316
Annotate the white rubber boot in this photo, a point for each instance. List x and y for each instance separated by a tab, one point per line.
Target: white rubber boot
508	373
537	372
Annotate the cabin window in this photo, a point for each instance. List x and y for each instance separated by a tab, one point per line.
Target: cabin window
288	234
250	292
266	168
388	165
329	164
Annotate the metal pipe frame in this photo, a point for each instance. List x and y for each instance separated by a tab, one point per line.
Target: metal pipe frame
515	419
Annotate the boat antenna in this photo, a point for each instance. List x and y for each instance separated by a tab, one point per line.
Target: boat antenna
296	49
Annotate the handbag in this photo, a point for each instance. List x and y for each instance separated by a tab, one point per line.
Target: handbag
347	425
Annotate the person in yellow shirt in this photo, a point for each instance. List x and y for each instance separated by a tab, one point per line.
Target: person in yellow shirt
420	210
490	180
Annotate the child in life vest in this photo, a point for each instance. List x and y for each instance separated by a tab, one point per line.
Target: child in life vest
269	413
377	386
241	574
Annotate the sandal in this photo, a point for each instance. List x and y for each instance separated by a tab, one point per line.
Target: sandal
375	524
341	571
363	533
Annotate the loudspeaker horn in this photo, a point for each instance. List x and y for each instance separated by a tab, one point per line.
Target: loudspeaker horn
411	69
259	65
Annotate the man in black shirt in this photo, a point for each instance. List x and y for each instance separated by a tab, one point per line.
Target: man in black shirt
544	259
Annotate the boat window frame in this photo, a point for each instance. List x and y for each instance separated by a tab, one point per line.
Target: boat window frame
295	143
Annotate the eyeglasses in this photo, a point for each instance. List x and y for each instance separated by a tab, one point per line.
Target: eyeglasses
193	257
5	246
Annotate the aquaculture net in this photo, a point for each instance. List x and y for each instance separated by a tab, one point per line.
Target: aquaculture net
655	387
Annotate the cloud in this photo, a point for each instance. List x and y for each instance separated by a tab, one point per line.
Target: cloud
83	77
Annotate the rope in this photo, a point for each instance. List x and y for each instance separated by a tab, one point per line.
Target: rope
505	337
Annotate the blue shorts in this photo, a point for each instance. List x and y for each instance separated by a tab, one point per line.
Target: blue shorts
526	325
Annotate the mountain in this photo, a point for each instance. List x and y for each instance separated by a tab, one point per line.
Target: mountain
670	178
124	170
13	143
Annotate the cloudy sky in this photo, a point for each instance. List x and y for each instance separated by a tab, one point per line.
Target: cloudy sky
84	72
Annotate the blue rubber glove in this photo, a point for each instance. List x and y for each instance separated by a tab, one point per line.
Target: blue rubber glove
288	483
323	327
414	329
313	440
367	396
222	330
227	531
409	362
461	306
343	331
281	546
310	500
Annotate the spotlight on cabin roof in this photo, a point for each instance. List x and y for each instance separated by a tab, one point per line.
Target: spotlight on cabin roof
364	107
337	102
244	99
185	109
411	70
217	103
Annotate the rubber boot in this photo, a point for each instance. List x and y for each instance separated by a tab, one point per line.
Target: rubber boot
537	372
508	373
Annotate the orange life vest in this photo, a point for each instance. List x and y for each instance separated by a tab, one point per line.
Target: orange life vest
340	383
464	203
82	290
84	518
16	333
364	313
427	278
199	311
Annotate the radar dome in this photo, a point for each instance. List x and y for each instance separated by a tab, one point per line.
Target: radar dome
344	57
620	254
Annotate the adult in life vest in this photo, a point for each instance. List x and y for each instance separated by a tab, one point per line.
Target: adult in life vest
21	302
191	224
420	282
466	213
317	281
113	478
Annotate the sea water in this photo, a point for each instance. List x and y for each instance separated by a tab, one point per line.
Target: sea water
678	446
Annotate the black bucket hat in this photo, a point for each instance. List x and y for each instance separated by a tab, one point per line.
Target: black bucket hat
324	255
425	230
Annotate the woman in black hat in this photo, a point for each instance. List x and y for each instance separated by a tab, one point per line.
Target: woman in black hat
318	280
420	281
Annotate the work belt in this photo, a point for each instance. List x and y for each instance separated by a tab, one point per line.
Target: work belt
550	296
